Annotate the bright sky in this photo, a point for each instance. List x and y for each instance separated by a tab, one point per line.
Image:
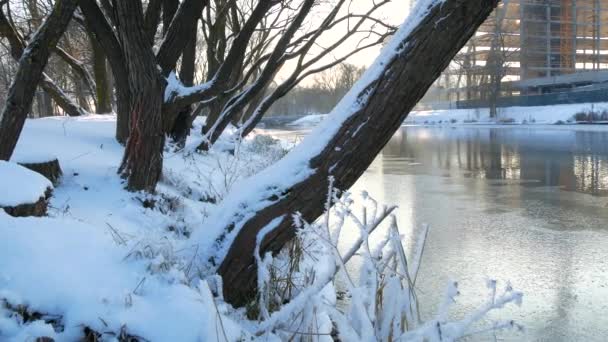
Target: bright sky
392	13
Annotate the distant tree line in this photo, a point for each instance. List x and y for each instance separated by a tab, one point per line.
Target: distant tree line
327	88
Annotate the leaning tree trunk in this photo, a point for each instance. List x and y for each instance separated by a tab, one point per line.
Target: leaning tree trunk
29	73
143	157
355	133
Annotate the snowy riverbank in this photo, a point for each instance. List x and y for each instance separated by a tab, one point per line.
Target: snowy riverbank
108	264
558	116
111	260
515	115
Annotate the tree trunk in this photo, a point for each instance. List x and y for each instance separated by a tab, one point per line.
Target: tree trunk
182	124
142	161
29	73
123	107
79	71
378	108
152	18
81	95
45	104
238	103
61	98
492	98
169	9
17	46
248	113
100	71
104	34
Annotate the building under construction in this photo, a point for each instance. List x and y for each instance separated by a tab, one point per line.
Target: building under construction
534	47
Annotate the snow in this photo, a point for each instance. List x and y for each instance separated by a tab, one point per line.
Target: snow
537	114
20	185
308	120
77	270
175	88
107	258
32	156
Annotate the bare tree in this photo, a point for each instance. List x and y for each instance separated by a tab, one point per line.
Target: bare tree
16	47
247	43
29	73
499	56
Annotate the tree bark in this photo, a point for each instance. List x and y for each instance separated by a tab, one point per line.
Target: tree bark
143	157
178	32
182	125
180	26
237	104
169	10
79	90
45	104
234	59
29	74
382	106
152	18
103	32
249	112
61	98
103	91
47	84
80	71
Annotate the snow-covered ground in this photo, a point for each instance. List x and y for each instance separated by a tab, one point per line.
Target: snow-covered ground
530	115
106	258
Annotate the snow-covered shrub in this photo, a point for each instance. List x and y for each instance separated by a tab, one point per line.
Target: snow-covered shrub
262	142
297	297
591	115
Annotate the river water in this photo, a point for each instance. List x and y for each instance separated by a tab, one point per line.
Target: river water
528	205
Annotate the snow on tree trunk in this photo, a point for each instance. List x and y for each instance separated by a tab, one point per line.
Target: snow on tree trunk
142	161
29	73
344	145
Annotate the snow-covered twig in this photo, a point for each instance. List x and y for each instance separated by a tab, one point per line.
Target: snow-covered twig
383	305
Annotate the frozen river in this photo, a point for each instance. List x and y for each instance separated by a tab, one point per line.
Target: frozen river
522	204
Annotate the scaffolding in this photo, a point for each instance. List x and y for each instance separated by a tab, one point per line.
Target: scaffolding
538	39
